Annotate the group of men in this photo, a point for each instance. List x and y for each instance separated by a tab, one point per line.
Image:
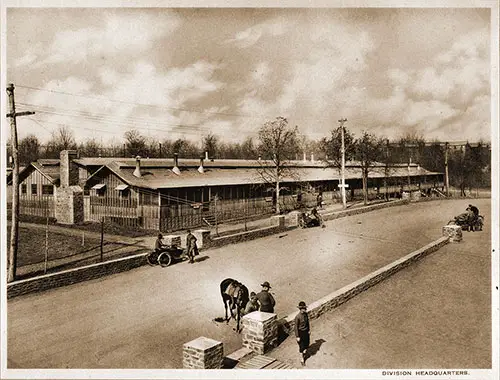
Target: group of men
264	301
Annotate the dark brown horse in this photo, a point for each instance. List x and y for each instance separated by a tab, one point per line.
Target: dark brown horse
235	297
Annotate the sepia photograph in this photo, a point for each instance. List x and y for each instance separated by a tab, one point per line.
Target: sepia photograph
249	190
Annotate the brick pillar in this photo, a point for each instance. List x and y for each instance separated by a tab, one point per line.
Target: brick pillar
260	331
295	217
69	204
453	231
202	353
68	170
203	238
278	221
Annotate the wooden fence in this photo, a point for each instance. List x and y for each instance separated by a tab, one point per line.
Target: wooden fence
39	206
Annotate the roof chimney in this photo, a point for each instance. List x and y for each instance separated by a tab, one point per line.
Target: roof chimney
137	171
260	157
67	168
176	169
206	155
200	169
305	157
312	157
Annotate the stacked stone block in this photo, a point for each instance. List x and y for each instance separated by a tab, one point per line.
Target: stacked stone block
203	353
172	240
260	331
278	221
454	232
202	238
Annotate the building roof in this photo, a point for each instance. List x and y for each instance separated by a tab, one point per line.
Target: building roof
156	177
158	174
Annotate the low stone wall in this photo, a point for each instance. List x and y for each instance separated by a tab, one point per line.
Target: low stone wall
344	294
213	242
73	276
362	210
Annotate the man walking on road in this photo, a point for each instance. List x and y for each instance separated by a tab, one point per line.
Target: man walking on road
302	331
191	247
266	299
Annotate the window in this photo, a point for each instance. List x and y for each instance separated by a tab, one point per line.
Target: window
100	189
123	191
34	189
47	189
23	188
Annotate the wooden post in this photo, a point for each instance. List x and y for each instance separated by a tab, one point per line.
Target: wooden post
83	238
216	220
46	246
102	238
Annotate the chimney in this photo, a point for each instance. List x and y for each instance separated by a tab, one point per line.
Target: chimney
206	155
68	170
176	169
312	157
200	169
305	158
137	171
260	157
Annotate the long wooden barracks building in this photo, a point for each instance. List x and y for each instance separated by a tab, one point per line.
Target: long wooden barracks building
176	193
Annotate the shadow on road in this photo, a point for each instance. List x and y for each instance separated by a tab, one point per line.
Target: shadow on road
200	259
314	348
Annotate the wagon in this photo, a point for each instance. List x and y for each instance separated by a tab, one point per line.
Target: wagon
166	256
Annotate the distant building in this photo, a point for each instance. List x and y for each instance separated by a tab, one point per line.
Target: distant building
170	194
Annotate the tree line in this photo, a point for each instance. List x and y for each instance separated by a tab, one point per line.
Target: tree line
469	165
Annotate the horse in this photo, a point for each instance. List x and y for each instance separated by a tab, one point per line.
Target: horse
235	296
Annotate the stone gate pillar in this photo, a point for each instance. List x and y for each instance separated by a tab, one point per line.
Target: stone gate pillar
203	353
453	231
260	331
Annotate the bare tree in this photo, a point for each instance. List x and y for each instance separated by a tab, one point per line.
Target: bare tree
278	143
62	139
332	145
369	149
211	145
90	148
135	143
29	149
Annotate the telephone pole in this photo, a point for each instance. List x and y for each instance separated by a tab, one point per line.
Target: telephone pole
14	236
342	150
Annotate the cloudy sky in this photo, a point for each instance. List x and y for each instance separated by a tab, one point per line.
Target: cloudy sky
187	72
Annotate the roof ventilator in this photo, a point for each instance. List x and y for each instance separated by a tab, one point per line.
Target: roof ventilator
176	169
201	169
137	171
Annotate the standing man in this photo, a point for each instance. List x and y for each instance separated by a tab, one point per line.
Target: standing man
266	299
302	331
191	246
319	200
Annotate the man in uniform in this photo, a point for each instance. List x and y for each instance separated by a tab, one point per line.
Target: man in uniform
302	331
252	304
266	299
191	247
159	243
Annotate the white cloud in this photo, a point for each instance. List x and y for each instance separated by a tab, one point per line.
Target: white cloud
252	35
117	34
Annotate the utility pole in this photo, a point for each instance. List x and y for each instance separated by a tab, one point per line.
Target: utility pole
342	151
446	178
14	235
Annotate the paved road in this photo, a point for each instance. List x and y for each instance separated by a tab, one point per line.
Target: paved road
141	318
433	314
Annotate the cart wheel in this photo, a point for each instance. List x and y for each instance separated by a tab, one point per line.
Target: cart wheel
151	259
165	259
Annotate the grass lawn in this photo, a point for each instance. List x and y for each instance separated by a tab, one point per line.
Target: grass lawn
64	251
